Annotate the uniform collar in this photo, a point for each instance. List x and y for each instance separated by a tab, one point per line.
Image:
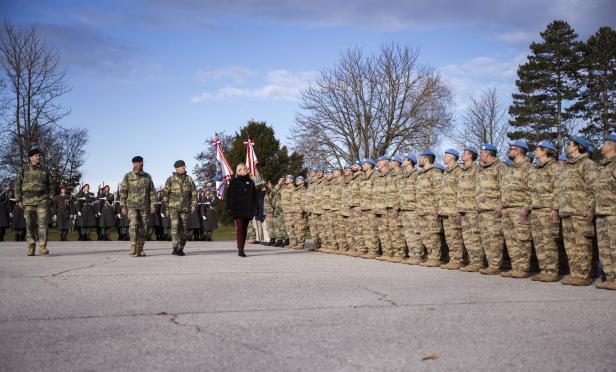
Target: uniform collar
547	162
606	161
489	164
449	170
575	160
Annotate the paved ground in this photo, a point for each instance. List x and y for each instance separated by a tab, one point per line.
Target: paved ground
92	307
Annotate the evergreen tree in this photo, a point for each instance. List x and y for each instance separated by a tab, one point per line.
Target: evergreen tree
547	86
598	99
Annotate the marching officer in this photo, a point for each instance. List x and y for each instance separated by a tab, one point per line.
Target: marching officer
180	199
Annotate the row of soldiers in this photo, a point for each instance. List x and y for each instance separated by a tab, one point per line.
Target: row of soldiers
467	214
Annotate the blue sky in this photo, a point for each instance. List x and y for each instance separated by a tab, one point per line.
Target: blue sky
157	77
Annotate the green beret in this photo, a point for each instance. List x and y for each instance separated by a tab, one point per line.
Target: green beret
179	163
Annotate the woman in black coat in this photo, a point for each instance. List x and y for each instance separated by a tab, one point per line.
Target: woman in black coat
241	204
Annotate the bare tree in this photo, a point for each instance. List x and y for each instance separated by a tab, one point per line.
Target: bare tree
367	106
484	121
32	115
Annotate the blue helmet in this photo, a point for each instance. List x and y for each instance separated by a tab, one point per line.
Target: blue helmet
489	147
384	158
547	145
411	157
562	157
397	159
369	161
583	141
453	152
520	143
472	149
611	137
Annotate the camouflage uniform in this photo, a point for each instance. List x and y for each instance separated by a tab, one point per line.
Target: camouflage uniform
575	200
605	210
346	197
488	197
268	210
337	225
447	210
394	222
34	189
466	204
355	220
285	200
179	198
368	221
279	213
515	196
297	228
317	212
137	194
408	214
327	218
380	190
543	185
427	192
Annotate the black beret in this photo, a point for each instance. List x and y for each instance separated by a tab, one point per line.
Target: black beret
179	163
137	159
34	152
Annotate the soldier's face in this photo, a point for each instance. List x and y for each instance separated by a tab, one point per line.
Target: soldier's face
355	168
137	166
35	159
485	156
571	148
180	170
366	167
609	147
347	172
449	159
86	188
299	182
467	156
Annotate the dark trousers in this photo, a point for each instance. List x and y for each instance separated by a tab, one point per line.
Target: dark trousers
241	228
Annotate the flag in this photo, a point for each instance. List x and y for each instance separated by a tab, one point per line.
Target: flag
251	158
223	171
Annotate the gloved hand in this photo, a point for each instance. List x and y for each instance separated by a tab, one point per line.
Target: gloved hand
11	214
54	218
119	216
162	215
79	214
204	218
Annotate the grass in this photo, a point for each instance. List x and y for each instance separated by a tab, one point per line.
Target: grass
224	232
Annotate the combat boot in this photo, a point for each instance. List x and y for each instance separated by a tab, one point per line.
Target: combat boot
545	277
431	262
133	249
471	268
285	242
43	249
369	255
452	266
175	252
411	261
577	281
608	284
31	250
490	270
181	252
515	274
278	243
140	252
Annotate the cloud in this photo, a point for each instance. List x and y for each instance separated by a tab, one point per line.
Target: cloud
280	85
237	74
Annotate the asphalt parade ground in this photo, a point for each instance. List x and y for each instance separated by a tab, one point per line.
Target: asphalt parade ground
91	306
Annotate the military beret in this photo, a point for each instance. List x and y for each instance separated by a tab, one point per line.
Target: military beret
314	169
179	163
328	171
347	166
384	158
583	141
33	152
137	159
453	152
562	157
611	137
359	162
289	176
369	161
546	145
397	159
299	178
411	157
427	153
472	149
489	147
520	143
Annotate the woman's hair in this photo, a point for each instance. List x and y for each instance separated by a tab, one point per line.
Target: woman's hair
239	166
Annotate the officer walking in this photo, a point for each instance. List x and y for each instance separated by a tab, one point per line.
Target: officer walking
180	199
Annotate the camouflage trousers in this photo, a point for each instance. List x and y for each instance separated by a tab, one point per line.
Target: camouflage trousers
382	227
357	241
338	230
518	238
471	238
281	227
545	237
369	232
180	226
606	239
297	228
430	232
36	223
577	235
347	237
398	245
315	230
492	240
454	239
412	235
137	226
270	224
329	232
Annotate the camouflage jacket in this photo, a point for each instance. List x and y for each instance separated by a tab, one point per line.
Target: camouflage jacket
406	192
346	195
543	185
427	190
380	191
449	191
355	189
365	190
277	199
269	203
465	197
575	196
392	200
514	186
33	185
317	201
137	191
309	196
285	197
297	195
488	186
605	188
180	193
335	194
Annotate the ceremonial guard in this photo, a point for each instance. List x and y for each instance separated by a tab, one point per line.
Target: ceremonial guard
62	210
84	208
106	215
210	222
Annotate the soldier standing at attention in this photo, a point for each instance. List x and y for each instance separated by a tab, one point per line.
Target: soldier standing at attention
379	207
516	204
394	222
269	205
576	205
335	199
345	210
605	210
298	199
180	199
448	210
368	221
62	212
408	210
545	223
327	239
137	195
466	204
427	190
356	243
489	207
34	192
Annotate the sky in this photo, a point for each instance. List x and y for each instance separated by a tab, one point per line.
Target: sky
157	77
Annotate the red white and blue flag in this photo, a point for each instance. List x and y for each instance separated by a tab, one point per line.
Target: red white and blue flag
251	158
223	171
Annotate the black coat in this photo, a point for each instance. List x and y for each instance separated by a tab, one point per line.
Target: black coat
207	210
5	221
242	198
62	210
84	204
105	208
